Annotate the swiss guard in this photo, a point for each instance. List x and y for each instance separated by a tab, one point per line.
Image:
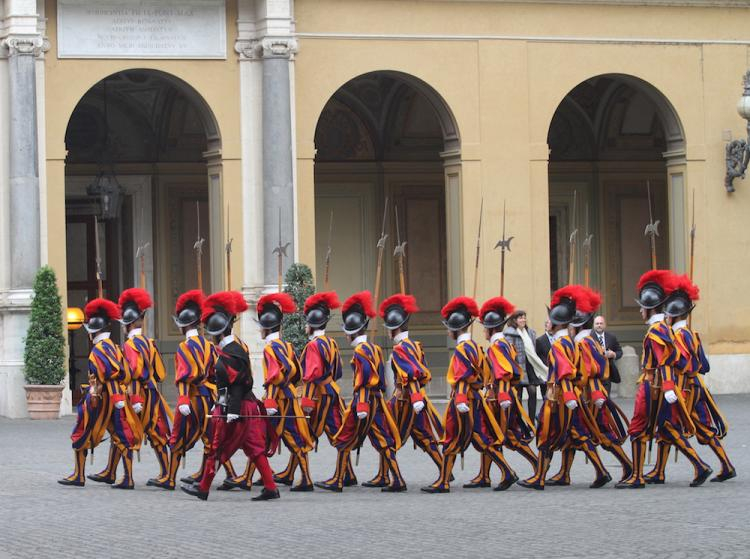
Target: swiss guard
414	413
710	425
468	418
660	410
105	407
321	369
194	366
238	420
505	374
563	422
368	414
281	372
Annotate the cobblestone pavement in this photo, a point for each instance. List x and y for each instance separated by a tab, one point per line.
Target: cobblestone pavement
39	518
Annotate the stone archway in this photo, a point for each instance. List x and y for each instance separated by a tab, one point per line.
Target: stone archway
388	135
611	136
143	163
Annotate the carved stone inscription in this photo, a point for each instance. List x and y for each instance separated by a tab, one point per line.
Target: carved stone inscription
141	29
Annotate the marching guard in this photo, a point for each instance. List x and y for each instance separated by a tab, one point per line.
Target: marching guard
468	418
105	407
563	423
368	414
414	413
710	425
238	420
321	368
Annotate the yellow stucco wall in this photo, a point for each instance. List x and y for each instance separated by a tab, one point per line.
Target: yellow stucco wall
503	92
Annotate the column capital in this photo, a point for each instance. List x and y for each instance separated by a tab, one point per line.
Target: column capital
248	49
34	45
279	47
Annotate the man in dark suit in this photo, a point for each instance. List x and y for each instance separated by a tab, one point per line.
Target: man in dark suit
542	346
612	349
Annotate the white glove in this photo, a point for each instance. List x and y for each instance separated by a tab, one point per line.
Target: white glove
599	403
361	414
571	404
418	406
91	390
462	408
184	409
670	396
307	410
121	404
505	404
272	411
232	417
137	407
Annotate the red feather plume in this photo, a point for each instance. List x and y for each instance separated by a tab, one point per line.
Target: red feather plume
406	302
139	296
467	302
196	296
102	306
364	299
240	305
579	295
328	299
282	300
595	299
663	278
499	304
221	300
683	283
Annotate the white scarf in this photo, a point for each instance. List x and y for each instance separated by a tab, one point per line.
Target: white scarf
531	357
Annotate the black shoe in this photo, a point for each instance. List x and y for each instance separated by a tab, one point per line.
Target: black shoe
267	495
530	485
123	485
259	482
188	479
226	485
71	482
279	480
433	489
723	476
560	482
329	486
302	488
653	480
601	481
628	484
373	483
195	492
701	478
477	484
101	479
394	488
162	484
506	483
351	482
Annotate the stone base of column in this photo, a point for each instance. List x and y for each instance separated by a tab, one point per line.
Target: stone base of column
15	310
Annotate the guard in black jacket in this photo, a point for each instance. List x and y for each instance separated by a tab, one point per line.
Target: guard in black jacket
238	418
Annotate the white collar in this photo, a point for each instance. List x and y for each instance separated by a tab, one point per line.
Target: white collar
597	334
658	317
465	337
135	332
193	332
560	334
496	336
226	340
680	324
582	334
318	333
101	336
272	336
400	337
359	340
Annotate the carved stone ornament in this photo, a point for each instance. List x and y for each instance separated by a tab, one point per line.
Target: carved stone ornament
738	151
279	47
26	44
248	49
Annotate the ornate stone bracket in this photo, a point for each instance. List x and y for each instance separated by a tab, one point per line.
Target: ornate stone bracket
738	151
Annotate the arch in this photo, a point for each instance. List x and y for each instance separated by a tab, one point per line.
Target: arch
446	119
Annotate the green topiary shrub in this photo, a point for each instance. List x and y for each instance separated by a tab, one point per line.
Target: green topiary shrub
300	285
44	352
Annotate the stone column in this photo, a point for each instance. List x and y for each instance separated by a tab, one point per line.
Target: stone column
278	179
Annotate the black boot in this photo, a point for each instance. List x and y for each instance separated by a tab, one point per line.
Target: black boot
267	495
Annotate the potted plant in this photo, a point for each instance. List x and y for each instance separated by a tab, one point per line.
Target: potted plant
300	285
44	352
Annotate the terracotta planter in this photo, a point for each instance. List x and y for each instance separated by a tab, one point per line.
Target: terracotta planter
43	402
